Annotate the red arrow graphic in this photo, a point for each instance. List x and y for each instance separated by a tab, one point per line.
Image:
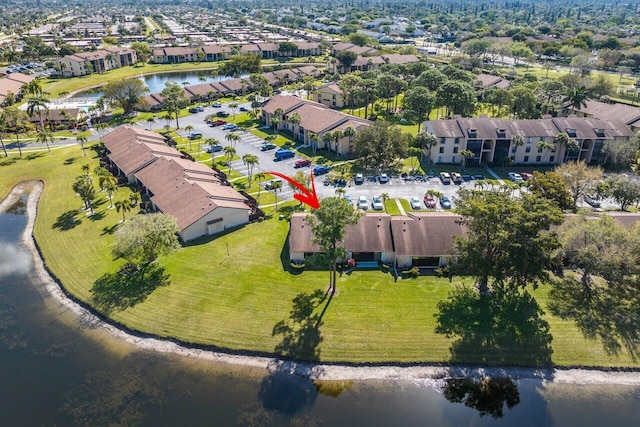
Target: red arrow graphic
308	197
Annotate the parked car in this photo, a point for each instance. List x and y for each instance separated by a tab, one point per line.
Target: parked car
429	201
348	199
216	105
478	176
515	177
272	184
302	163
456	178
526	176
196	109
243	109
268	146
217	123
377	204
282	154
384	178
358	179
591	200
213	148
415	203
445	178
321	170
230	126
195	135
222	114
363	203
445	203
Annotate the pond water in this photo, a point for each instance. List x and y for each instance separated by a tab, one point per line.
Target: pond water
156	82
57	371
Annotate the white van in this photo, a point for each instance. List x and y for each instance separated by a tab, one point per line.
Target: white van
445	178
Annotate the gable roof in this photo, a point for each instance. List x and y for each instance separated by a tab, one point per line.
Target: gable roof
426	234
372	233
602	110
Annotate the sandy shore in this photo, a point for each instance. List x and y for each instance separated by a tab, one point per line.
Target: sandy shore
314	371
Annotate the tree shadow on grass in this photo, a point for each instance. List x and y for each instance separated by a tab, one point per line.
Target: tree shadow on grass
488	396
33	156
67	220
502	327
97	216
608	313
69	161
300	333
118	291
8	161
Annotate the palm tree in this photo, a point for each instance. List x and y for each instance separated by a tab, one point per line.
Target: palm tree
349	132
110	57
260	176
83	185
150	120
274	122
110	187
134	198
276	186
464	156
124	206
189	128
250	161
546	146
327	137
313	137
577	97
229	151
34	87
232	138
36	105
82	139
233	106
570	144
4	126
294	119
384	197
340	191
45	135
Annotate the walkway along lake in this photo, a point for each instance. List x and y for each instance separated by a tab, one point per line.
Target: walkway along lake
60	366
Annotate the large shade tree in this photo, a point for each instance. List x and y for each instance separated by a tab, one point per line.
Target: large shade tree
125	93
508	240
380	145
328	225
173	100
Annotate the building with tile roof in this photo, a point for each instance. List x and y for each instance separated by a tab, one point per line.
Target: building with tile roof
490	139
189	191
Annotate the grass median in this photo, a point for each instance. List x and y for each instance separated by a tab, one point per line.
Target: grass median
232	290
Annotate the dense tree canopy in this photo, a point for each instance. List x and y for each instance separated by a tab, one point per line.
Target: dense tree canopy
380	145
508	239
144	238
125	93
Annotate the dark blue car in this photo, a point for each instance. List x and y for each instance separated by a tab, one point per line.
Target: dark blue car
321	170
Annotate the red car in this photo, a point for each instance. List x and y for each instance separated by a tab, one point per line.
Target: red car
302	163
526	176
218	123
429	201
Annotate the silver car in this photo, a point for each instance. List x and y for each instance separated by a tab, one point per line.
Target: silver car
363	203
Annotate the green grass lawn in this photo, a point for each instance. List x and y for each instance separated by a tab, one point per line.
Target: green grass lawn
230	291
391	207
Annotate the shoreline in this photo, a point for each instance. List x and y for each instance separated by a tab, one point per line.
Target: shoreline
313	371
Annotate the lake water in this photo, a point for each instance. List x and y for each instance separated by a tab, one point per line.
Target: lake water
56	371
156	82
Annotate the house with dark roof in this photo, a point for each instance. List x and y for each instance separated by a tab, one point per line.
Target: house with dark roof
491	140
314	121
98	61
630	115
368	240
189	191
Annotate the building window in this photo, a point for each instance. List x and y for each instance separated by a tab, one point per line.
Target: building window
441	150
455	150
456	141
454	159
440	159
552	158
538	158
539	150
526	159
527	150
443	140
529	140
513	150
513	158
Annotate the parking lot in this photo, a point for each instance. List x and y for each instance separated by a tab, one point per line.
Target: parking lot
397	187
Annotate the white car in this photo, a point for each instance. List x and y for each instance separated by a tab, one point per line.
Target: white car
515	177
377	204
384	178
415	203
363	203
